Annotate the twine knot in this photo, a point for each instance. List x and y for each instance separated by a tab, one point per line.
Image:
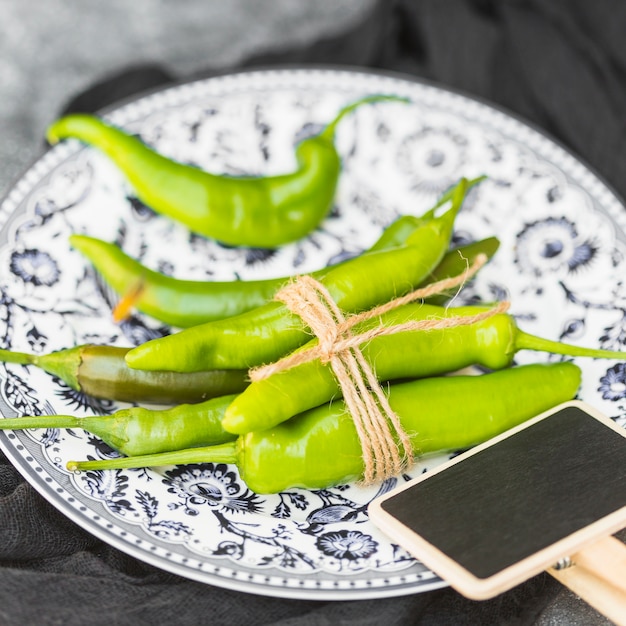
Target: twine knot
385	445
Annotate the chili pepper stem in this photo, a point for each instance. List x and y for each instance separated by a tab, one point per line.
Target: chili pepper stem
63	363
450	194
21	358
40	421
222	453
101	426
329	132
526	341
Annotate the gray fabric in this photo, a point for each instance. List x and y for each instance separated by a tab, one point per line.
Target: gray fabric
53	49
560	64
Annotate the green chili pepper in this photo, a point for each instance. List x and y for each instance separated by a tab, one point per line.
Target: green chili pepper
187	303
101	372
270	331
137	430
491	343
455	262
251	211
320	448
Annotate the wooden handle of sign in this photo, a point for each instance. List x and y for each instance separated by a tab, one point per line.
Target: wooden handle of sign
598	576
606	559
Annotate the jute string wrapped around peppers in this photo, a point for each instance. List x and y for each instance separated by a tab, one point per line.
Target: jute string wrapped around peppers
378	427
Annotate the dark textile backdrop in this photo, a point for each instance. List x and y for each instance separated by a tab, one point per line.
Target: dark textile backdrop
561	65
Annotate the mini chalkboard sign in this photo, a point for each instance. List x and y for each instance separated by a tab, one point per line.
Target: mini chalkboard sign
551	489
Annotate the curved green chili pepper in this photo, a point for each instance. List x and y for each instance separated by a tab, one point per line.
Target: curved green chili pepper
101	372
187	303
250	211
320	448
137	430
270	331
491	343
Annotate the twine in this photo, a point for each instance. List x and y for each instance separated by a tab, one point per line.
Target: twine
385	445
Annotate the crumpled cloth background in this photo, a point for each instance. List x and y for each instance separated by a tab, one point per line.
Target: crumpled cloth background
559	64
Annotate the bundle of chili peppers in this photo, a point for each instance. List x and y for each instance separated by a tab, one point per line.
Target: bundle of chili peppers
291	429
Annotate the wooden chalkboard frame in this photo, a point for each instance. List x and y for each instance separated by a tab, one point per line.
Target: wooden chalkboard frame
580	542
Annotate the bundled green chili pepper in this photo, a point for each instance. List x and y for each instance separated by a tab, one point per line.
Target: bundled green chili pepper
187	303
251	211
137	430
320	448
491	343
266	333
101	372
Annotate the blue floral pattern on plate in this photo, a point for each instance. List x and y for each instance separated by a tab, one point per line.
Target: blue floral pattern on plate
561	263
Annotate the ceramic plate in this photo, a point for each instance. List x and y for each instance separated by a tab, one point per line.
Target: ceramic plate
561	264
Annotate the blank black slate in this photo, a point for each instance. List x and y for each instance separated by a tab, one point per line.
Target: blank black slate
515	498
